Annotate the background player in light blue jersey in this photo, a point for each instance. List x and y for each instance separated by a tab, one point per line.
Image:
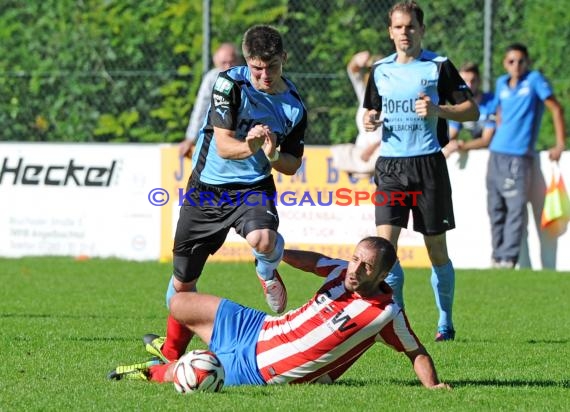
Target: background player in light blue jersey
513	172
256	123
480	131
416	91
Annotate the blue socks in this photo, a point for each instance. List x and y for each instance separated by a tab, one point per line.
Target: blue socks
170	291
443	284
267	263
395	279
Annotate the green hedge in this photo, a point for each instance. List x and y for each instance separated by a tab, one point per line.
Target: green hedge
126	71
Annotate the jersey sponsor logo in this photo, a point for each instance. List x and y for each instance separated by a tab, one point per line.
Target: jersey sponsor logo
223	85
523	91
413	127
220	100
341	321
399	105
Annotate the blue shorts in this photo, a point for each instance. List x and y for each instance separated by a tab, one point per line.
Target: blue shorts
234	340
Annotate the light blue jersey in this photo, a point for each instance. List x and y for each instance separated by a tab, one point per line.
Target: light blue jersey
521	109
236	105
394	87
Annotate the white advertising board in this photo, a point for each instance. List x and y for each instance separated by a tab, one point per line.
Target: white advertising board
79	200
93	200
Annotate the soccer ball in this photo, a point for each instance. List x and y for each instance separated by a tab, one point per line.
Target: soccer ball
199	371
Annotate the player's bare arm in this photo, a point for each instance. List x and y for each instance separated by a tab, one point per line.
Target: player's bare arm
287	163
425	369
481	143
462	112
302	260
229	147
559	127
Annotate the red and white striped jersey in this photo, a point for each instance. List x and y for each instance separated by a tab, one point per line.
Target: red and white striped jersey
330	332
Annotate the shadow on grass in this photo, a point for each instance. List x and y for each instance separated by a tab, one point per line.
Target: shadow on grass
77	316
562	341
509	383
80	339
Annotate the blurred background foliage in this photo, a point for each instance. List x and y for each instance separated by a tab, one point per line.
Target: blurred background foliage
128	71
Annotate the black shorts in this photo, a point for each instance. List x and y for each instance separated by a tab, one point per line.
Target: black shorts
209	212
420	184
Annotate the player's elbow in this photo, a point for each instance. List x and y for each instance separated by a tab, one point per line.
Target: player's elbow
472	113
291	166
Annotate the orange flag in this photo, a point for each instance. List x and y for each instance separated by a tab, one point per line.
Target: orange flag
556	211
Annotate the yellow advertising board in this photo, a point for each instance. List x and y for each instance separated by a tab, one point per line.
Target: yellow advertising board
320	209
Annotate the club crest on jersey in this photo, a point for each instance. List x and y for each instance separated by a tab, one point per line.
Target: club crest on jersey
429	82
223	85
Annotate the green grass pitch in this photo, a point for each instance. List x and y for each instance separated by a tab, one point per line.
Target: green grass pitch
64	324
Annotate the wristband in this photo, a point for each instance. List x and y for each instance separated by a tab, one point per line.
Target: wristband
274	158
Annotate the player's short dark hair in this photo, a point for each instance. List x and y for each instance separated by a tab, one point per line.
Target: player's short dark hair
263	42
385	250
408	7
517	47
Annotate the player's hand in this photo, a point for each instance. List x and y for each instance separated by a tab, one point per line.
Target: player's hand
555	153
255	138
371	120
270	144
451	147
185	148
425	107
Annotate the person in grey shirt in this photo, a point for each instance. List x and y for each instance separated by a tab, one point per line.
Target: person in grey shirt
224	57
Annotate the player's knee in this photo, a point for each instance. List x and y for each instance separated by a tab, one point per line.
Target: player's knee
262	241
175	303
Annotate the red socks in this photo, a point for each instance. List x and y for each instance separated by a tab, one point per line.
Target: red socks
156	373
177	338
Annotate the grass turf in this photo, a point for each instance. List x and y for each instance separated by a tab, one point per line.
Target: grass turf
65	324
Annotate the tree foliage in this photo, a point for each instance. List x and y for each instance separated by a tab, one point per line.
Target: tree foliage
126	71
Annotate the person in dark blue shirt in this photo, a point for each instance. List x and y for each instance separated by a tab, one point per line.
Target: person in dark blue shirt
417	91
256	123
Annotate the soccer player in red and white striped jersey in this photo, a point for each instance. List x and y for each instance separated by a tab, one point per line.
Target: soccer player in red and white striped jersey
317	342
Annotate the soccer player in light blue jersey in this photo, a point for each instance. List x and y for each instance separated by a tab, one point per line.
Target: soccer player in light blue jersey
255	124
417	91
